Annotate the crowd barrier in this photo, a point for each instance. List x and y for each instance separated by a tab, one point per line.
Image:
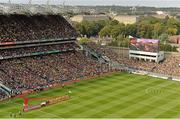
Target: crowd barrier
157	75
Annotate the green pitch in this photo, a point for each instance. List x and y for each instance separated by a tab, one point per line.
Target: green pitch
116	95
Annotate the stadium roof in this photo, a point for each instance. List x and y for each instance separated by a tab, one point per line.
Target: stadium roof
30	9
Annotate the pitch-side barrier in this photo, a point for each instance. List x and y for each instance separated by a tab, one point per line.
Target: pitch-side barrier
157	75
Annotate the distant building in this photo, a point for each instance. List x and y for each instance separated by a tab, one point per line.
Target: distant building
80	18
126	19
160	12
175	39
177	16
161	16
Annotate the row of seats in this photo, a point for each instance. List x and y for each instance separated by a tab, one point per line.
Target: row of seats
170	66
41	71
15	28
37	49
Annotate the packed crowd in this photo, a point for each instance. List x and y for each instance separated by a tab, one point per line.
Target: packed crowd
41	71
2	95
37	72
25	28
170	66
36	49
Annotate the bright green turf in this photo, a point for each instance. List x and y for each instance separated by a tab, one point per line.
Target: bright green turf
117	95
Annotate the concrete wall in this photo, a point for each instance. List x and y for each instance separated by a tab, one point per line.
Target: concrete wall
124	52
80	18
126	19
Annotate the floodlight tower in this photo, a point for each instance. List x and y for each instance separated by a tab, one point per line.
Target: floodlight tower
9	1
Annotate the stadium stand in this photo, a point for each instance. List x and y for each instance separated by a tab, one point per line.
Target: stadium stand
2	95
170	66
15	28
35	49
47	70
38	51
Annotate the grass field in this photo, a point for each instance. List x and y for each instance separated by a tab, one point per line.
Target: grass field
116	95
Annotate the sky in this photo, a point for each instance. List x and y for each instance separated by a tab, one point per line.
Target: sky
153	3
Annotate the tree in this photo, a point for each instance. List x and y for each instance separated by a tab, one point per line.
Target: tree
80	28
145	30
84	40
106	31
120	41
112	22
90	28
164	38
157	30
167	47
172	31
118	30
130	29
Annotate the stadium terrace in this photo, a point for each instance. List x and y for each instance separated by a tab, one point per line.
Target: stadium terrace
40	51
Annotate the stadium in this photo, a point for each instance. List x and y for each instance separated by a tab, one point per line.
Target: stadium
46	73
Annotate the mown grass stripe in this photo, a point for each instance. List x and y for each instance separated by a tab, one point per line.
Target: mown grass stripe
132	88
116	95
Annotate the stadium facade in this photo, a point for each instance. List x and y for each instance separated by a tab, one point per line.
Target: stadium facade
38	50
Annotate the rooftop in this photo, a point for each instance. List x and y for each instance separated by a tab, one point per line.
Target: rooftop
6	8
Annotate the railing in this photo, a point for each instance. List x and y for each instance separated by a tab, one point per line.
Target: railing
153	74
35	54
118	66
164	76
32	45
36	41
6	89
99	56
